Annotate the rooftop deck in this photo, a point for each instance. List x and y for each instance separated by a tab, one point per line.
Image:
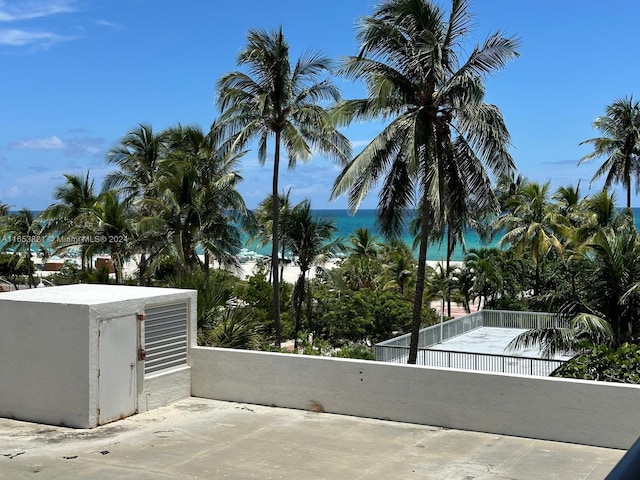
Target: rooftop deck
208	439
478	341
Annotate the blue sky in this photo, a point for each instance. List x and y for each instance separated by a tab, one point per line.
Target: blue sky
78	74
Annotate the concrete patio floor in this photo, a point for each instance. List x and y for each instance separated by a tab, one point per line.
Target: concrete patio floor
208	439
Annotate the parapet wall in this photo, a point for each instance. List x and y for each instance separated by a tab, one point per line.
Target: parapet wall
575	411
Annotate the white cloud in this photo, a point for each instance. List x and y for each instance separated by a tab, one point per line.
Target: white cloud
72	147
25	10
9	193
46	143
29	9
106	23
22	38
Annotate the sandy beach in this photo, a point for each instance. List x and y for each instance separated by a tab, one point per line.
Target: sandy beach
291	272
248	267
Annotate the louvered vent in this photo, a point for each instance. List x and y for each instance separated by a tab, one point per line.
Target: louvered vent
165	337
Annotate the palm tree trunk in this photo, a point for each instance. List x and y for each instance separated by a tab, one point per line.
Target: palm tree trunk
274	248
207	260
420	278
142	269
282	265
449	252
299	299
32	283
309	311
117	265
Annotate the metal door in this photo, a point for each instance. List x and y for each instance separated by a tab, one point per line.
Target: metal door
117	347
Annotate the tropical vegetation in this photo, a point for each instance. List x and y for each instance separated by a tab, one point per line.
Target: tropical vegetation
171	205
442	139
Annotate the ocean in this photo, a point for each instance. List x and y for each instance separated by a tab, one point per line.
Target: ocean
346	223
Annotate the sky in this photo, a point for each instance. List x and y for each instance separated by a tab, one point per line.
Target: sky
76	75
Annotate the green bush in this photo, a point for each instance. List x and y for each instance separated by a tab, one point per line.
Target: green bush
365	316
257	293
358	350
604	364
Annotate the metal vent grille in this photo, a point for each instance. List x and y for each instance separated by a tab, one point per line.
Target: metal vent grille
165	337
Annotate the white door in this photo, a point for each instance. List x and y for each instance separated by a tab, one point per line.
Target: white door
118	348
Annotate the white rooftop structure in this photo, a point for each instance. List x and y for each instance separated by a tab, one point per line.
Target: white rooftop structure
85	355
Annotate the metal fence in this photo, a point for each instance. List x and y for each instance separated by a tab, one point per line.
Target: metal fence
396	350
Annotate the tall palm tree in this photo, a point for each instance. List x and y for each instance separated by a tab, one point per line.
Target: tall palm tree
619	143
276	100
605	308
112	228
440	131
24	233
74	198
195	203
264	220
176	210
487	280
225	212
531	224
137	156
311	240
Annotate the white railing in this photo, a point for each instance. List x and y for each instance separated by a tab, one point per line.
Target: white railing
396	350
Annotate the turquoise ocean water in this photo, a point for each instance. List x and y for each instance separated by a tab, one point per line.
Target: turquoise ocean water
346	223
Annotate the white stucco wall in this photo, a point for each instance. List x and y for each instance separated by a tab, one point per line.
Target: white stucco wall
164	388
576	411
44	363
49	351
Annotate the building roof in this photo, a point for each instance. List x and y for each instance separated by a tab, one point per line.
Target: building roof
87	294
203	439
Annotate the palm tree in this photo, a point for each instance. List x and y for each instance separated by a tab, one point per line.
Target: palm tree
363	244
24	233
485	266
531	224
399	265
195	205
311	240
605	308
582	328
440	131
619	143
224	212
137	157
274	100
4	209
73	198
264	220
568	199
111	227
176	210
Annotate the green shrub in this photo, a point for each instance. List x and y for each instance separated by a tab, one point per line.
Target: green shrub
357	350
604	364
